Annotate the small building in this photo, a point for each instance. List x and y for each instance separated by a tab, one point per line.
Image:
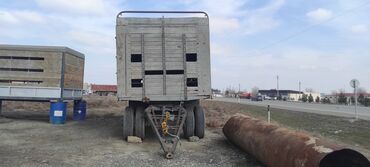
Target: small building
216	93
104	90
290	95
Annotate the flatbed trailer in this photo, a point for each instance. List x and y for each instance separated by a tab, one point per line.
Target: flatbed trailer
42	74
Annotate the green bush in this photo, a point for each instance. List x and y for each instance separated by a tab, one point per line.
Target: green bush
310	98
342	99
366	102
325	100
304	98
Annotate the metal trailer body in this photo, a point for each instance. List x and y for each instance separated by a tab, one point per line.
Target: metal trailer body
40	73
163	70
163	59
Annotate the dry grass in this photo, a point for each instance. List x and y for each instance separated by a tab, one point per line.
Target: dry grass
217	112
97	106
104	105
354	134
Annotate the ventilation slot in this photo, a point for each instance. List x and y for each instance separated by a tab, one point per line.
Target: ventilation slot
21	58
20	82
21	69
191	57
192	82
154	72
136	83
136	58
174	72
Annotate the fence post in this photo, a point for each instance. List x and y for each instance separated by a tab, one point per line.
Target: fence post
1	106
268	114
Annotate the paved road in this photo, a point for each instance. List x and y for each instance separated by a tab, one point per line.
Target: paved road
327	109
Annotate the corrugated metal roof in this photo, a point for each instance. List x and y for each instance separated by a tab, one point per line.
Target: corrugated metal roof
105	88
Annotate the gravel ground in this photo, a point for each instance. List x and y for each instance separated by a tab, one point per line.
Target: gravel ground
27	139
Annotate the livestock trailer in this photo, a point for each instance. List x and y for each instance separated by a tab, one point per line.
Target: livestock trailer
163	70
41	73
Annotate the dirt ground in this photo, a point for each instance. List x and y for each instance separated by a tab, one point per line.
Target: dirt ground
340	130
28	139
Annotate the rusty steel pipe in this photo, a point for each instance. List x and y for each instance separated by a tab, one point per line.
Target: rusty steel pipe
279	147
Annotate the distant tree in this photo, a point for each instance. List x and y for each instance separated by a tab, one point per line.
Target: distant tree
325	100
361	99
304	98
310	98
317	99
279	97
342	99
366	102
227	93
230	92
353	100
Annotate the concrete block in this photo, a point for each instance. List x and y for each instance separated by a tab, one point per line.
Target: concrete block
134	139
193	138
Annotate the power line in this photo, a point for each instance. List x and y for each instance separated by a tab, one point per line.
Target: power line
314	25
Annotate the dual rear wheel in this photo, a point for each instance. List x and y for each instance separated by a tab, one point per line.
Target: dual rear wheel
195	121
134	122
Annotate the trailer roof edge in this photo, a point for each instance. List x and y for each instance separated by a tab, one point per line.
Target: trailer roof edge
42	48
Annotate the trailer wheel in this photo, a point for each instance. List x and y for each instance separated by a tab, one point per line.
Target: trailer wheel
199	121
128	122
139	122
189	125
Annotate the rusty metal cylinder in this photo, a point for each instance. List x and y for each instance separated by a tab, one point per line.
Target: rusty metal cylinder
275	146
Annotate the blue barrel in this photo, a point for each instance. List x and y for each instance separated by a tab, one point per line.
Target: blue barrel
58	112
79	110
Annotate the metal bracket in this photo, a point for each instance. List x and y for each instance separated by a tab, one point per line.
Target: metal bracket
156	115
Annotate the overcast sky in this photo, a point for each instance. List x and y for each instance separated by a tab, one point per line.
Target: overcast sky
323	44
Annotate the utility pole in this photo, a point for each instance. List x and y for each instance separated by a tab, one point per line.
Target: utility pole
239	94
277	87
299	87
355	89
239	88
354	84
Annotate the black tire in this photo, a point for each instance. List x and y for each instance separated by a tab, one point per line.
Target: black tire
128	122
139	122
200	122
189	125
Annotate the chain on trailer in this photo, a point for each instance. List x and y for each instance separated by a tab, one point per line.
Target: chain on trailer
167	122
